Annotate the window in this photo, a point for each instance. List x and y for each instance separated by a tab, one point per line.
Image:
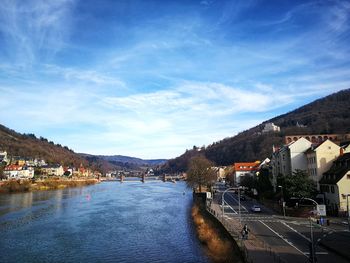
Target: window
332	189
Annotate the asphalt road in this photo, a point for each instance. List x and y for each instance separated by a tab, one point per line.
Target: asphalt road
290	237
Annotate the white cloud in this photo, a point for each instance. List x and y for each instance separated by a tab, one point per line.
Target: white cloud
34	28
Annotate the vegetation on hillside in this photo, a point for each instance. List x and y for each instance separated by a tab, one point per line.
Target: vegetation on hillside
29	146
327	115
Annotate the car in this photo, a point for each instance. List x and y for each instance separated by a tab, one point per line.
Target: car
255	208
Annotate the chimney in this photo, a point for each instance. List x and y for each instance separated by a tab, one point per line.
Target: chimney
341	151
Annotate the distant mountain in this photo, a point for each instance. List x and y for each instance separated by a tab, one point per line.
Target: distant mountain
123	161
29	146
330	114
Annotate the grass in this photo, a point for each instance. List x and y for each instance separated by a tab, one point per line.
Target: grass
219	246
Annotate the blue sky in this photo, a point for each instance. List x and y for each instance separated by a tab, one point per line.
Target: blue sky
153	78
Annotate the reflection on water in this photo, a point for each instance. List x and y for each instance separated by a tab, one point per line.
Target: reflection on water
109	222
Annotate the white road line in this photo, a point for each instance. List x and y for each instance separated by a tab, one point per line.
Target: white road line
300	234
234	211
285	240
318	253
242	206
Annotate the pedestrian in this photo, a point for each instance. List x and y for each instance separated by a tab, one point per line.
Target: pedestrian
245	231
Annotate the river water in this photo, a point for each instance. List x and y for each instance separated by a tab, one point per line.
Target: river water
107	222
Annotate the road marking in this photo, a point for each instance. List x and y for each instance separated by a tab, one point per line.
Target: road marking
285	240
242	206
300	234
318	253
227	205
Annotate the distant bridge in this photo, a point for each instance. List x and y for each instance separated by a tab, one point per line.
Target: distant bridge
144	178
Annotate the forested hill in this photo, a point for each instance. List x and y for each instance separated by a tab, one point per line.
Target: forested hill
29	146
330	114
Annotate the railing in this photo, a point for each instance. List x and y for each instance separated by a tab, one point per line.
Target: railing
236	235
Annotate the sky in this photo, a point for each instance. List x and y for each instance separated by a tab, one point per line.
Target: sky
151	79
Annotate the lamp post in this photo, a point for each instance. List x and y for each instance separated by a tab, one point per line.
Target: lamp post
239	201
347	209
283	204
312	248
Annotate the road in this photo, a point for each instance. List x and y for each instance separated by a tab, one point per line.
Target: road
289	237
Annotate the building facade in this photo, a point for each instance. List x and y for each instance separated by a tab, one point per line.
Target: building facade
244	169
320	159
335	185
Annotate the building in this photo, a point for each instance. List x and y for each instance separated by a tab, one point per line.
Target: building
3	157
319	138
345	147
53	170
18	172
270	127
289	158
320	158
244	169
335	185
220	172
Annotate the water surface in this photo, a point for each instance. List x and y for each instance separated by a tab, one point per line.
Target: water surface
108	222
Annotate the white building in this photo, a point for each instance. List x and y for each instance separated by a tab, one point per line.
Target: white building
3	157
289	158
270	127
18	172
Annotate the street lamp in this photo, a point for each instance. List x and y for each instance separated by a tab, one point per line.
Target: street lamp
239	201
312	249
283	203
347	208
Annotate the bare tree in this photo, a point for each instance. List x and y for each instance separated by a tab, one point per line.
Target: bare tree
200	173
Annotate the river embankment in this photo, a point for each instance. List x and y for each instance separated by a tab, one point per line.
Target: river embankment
17	186
218	244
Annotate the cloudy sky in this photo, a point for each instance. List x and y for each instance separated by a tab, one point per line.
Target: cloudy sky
153	78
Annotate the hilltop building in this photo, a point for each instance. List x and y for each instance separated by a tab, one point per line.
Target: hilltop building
270	127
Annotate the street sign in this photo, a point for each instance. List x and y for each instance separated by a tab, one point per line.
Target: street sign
321	210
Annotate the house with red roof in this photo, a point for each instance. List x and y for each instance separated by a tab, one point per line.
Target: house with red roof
244	169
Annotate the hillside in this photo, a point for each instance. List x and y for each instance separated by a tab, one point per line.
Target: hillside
330	114
29	146
125	162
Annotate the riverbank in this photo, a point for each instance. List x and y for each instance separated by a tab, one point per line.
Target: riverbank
219	245
17	186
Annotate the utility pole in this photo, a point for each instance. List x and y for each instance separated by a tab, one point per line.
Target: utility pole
347	208
283	203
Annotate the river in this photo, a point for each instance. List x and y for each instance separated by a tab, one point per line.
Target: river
107	222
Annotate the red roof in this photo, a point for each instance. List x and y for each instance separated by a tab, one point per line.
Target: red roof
246	166
13	167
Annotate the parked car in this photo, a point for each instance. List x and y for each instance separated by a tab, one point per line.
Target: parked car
255	208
